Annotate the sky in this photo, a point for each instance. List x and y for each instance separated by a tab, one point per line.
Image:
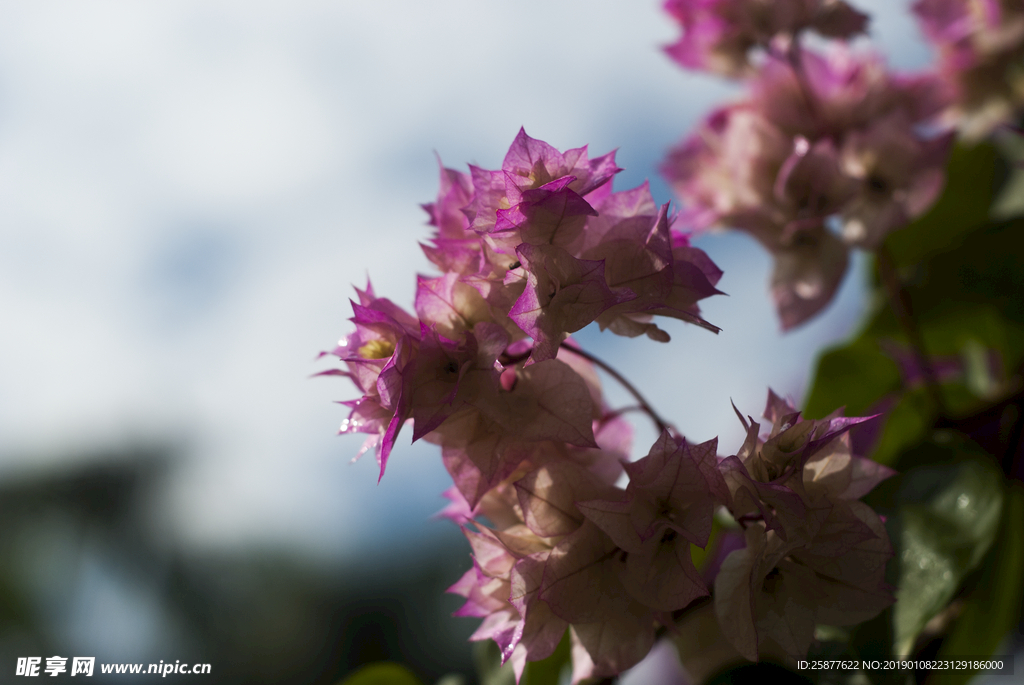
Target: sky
189	190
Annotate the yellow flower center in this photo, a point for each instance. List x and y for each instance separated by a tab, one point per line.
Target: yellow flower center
377	349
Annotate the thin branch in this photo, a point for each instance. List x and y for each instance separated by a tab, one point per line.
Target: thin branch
620	411
644	404
899	299
793	56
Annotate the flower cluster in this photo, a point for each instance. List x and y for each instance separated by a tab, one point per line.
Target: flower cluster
814	554
827	151
486	370
821	140
529	253
566	548
981	54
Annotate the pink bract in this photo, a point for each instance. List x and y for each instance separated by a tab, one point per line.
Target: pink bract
719	35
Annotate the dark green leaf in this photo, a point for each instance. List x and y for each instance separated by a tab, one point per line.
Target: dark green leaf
906	424
974	289
972	179
993	608
947	521
856	376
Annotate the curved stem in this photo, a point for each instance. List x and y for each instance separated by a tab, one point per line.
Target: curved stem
793	56
899	299
696	604
620	411
644	404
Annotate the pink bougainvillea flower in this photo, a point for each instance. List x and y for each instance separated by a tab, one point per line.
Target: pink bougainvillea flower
482	448
901	175
434	380
820	140
531	514
828	94
540	629
452	307
548	496
810	185
813	553
667	506
740	158
664	273
728	166
484	442
532	164
485	369
806	275
793	443
377	354
676	485
740	170
530	240
582	584
563	294
487	588
553	214
453	247
778	591
718	35
981	46
446	215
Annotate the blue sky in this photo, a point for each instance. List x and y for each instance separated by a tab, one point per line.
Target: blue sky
189	189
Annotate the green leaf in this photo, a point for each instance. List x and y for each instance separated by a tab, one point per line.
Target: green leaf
856	375
980	278
543	672
382	673
993	608
972	180
948	519
906	424
979	377
699	555
1010	202
489	668
549	671
975	290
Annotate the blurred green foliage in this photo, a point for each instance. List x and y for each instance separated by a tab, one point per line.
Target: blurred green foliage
993	606
955	512
383	673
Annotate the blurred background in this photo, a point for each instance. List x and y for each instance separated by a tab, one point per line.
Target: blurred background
188	191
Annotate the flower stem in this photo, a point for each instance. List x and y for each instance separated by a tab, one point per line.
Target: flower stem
644	404
793	56
796	61
899	300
